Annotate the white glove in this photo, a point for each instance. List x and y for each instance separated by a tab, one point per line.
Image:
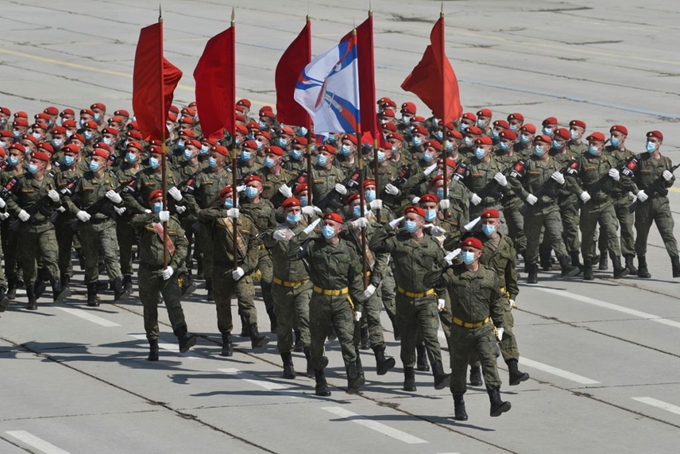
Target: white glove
585	197
2	204
430	169
452	255
370	290
238	273
232	213
114	196
164	216
357	316
614	174
3	216
180	209
415	200
119	211
531	199
475	199
391	189
444	204
175	194
512	303
376	205
52	194
282	234
437	231
340	189
500	179
311	226
61	209
147	211
557	176
396	222
310	210
441	304
83	216
286	191
642	195
167	273
241	188
667	175
500	332
360	223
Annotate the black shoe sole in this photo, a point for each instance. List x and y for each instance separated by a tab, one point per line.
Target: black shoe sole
444	382
516	381
260	344
386	366
190	343
4	304
502	409
460	418
65	293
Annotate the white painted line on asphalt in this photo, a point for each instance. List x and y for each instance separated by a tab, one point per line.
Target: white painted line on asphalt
268	385
658	404
89	317
35	442
555	371
614	307
374	425
174	348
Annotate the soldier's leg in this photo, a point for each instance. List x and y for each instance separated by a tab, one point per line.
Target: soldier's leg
609	225
643	223
266	270
508	344
372	309
319	322
89	244
570	228
626	220
126	239
665	224
343	322
553	230
149	288
408	325
110	252
64	234
533	224
172	299
428	324
27	254
515	222
9	247
460	356
303	295
245	293
388	293
284	303
486	347
588	224
223	289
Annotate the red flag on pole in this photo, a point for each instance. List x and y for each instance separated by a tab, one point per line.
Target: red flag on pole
215	76
288	70
433	79
153	83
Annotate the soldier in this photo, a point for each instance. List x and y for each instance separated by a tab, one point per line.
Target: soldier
325	176
654	168
481	172
576	130
477	312
155	277
15	167
524	147
510	202
274	176
414	254
296	162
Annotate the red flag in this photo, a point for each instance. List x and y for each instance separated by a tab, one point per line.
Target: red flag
433	79
153	83
288	70
215	76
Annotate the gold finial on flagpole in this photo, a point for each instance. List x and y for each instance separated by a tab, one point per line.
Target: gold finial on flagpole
441	14
233	16
160	13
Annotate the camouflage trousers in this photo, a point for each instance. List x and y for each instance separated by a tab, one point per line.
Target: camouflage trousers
38	242
126	240
65	235
371	318
570	226
534	220
592	214
95	238
626	221
658	211
464	344
151	285
224	288
292	312
325	310
418	315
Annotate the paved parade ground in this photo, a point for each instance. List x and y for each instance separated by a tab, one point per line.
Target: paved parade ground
603	356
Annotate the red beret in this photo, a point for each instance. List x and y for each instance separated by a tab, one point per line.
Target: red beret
135	144
221	150
485	113
251	178
579	123
67	112
42	156
408	107
124	113
656	134
47	147
416	210
70	123
20	114
239	108
563	133
484	140
157	194
133	134
473	130
439	177
291	202
300	188
79	137
90	124
30	137
171	116
19	121
472	242
101	153
333	217
369	182
42	116
2	152
299	141
190	111
388	113
225	190
264	133
388	101
528	128
241	129
70	148
244	102
287	131
352	198
434	144
194	142
17	146
490	213
5	111
266	109
622	129
103	146
351	138
110	130
7	134
240	118
391	127
98	105
550	121
187	120
35	126
250	144
187	133
596	136
87	112
501	124
454	134
429	198
470	116
133	125
267	113
543	138
328	148
395	135
508	134
420	130
59	130
516	116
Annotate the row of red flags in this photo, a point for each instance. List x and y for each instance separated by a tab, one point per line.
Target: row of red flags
155	79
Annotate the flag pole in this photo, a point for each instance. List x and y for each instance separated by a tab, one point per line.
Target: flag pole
362	197
376	164
310	195
164	148
233	162
444	120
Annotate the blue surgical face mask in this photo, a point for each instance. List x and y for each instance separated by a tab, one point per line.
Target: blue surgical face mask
548	131
448	145
468	141
461	127
615	141
495	134
332	139
514	128
304	201
269	162
251	192
68	160
651	146
33	168
381	156
260	144
131	158
296	154
282	142
488	229
370	196
440	193
481	123
81	122
212	162
88	135
181	145
328	232
157	207
107	141
302	131
204	149
394	149
411	226
154	163
97	117
439	135
345	149
557	145
246	156
188	154
16	134
356	211
427	157
417	141
293	218
430	215
468	257
250	136
405	120
94	166
525	139
262	125
57	143
593	150
13	161
505	146
539	150
479	153
321	160
229	203
574	134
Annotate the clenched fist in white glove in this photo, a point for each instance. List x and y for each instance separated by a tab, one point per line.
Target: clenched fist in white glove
238	273
452	255
310	210
119	211
311	226
2	204
585	197
391	189
475	199
114	196
340	189
180	209
441	304
376	204
614	173
667	175
232	213
415	200
642	196
437	231
83	216
360	223
395	223
282	234
357	316
370	290
3	216
444	204
286	191
175	194
167	273
500	179
557	176
430	169
500	332
52	194
531	199
164	216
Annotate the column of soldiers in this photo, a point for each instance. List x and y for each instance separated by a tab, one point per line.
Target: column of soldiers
430	227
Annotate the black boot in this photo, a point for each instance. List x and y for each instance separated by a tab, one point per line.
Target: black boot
675	263
257	340
227	346
59	294
92	299
630	263
298	341
32	300
459	413
127	284
153	350
409	379
244	327
603	262
321	388
498	407
516	376
185	341
65	280
288	368
354	379
441	380
39	286
575	260
643	272
308	357
568	270
619	271
360	367
383	363
588	274
476	376
365	342
119	293
4	301
421	359
208	287
12	290
544	256
103	286
532	273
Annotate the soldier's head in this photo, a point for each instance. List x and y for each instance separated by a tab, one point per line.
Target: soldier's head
292	208
53	114
90	131
285	135
526	134
384	154
471	250
353	206
99	110
483	147
116	122
429	203
273	157
70	155
431	150
263	139
4	116
414	219
542	144
109	136
654	141
267	117
43	120
16	154
218	157
70	126
191	149
38	162
467	120
302	194
576	129
386	103
471	134
516	121
498	127
437	184
245	103
618	136
67	114
332	226
549	126
326	156
396	140
30	142
298	148
507	139
19	126
595	143
491	221
133	152
248	152
453	140
155	157
254	186
155	201
484	118
227	197
419	134
387	116
408	111
6	139
450	167
348	145
99	160
58	137
560	138
85	116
